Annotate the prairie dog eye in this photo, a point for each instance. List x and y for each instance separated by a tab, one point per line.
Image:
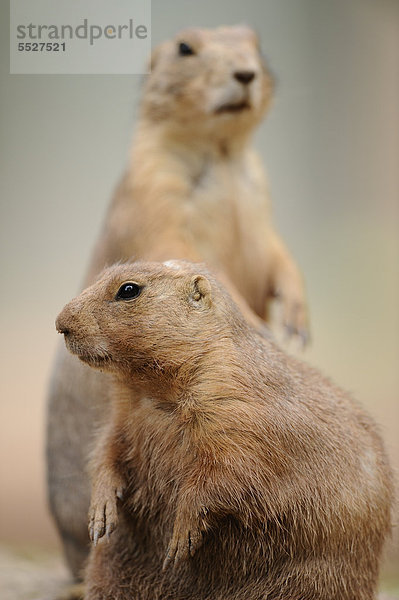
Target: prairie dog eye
128	291
185	49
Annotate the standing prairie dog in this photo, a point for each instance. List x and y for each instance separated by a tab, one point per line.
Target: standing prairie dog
193	189
227	470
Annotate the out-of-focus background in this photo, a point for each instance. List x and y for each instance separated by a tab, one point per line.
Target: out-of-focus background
331	147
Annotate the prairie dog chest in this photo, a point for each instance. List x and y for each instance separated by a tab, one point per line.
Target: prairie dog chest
154	449
227	206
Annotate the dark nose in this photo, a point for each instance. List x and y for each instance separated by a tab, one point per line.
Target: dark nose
62	324
244	77
61	328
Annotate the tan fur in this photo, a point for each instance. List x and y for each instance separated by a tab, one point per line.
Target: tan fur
195	189
243	473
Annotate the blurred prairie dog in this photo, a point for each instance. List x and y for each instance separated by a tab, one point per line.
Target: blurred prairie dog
227	470
193	189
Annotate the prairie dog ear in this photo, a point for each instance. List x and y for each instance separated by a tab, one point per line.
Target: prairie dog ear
155	56
248	33
153	59
200	291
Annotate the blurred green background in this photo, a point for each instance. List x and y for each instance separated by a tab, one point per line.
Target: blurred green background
331	147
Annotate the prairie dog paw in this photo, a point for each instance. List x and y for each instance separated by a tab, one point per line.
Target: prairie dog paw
182	547
295	319
103	514
186	539
294	314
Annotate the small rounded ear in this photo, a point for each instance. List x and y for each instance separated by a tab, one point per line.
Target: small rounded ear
153	58
200	291
191	36
156	55
247	32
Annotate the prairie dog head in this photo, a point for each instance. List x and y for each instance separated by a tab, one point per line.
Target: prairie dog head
208	80
145	314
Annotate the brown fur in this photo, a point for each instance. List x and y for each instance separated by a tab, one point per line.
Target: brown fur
193	189
243	473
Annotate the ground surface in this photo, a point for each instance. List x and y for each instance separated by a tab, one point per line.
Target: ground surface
31	575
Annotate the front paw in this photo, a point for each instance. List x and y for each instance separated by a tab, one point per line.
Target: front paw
186	539
295	320
294	315
103	514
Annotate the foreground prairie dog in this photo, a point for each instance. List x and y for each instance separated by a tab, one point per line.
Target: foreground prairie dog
227	470
193	189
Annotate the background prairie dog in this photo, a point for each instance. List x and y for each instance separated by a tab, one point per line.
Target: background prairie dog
193	189
244	473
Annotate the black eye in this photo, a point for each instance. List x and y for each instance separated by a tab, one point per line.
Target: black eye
128	291
185	49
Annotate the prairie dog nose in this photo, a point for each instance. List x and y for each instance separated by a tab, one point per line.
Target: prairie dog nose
244	77
62	322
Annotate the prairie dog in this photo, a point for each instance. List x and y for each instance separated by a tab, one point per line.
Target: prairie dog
227	470
193	189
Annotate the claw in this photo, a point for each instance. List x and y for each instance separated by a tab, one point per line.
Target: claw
96	536
304	337
167	562
289	331
191	546
110	528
